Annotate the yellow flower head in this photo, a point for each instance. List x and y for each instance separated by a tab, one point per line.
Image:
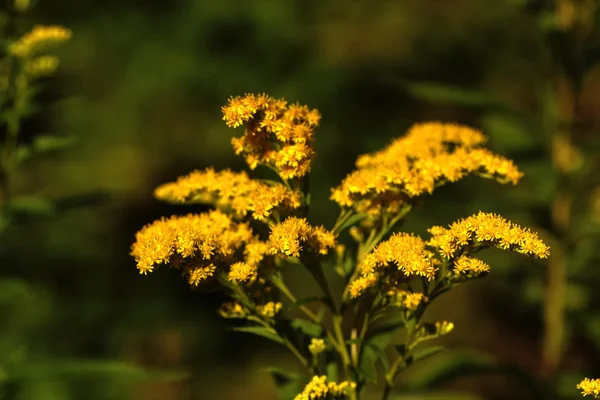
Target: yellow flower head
40	39
589	387
485	229
278	135
429	155
196	242
230	191
402	252
270	309
316	346
406	299
288	237
42	66
470	267
319	388
232	310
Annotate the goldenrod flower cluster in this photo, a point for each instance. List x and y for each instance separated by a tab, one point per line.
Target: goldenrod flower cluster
230	191
232	310
405	299
319	388
412	256
277	135
402	252
316	346
42	66
485	229
590	387
429	155
40	39
270	309
288	237
199	243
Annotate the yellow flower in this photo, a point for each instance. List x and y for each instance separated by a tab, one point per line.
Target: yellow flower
270	309
288	236
241	272
232	310
195	242
230	191
590	387
319	388
278	135
428	156
42	66
485	229
406	299
317	346
40	39
470	267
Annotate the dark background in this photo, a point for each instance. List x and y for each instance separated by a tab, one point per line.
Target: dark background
140	88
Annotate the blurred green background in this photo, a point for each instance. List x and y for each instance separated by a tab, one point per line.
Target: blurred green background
139	90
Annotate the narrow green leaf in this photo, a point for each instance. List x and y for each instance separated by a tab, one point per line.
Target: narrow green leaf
353	220
447	94
381	355
382	334
307	327
45	143
331	370
367	367
30	206
423	354
281	377
260	331
302	302
85	368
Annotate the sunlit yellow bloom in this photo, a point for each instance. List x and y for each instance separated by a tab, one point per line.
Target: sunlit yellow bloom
230	191
470	266
429	155
319	388
288	237
242	272
590	387
232	310
485	229
402	252
406	299
270	309
197	275
316	346
278	135
42	66
194	242
40	39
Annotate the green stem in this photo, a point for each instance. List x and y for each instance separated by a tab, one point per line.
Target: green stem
343	350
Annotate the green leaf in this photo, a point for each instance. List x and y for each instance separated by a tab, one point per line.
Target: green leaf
281	377
452	95
14	290
381	355
307	327
260	331
89	368
382	335
352	221
30	206
367	367
302	302
331	370
424	354
46	143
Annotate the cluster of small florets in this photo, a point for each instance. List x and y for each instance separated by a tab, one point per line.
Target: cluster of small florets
230	191
485	229
317	346
196	242
413	256
288	237
429	155
405	299
278	135
40	39
590	387
319	388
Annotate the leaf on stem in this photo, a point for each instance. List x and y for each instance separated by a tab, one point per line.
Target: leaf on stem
260	331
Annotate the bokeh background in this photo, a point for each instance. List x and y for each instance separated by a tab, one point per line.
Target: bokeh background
139	94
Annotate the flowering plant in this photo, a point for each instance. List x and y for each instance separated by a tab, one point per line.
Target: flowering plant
259	228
